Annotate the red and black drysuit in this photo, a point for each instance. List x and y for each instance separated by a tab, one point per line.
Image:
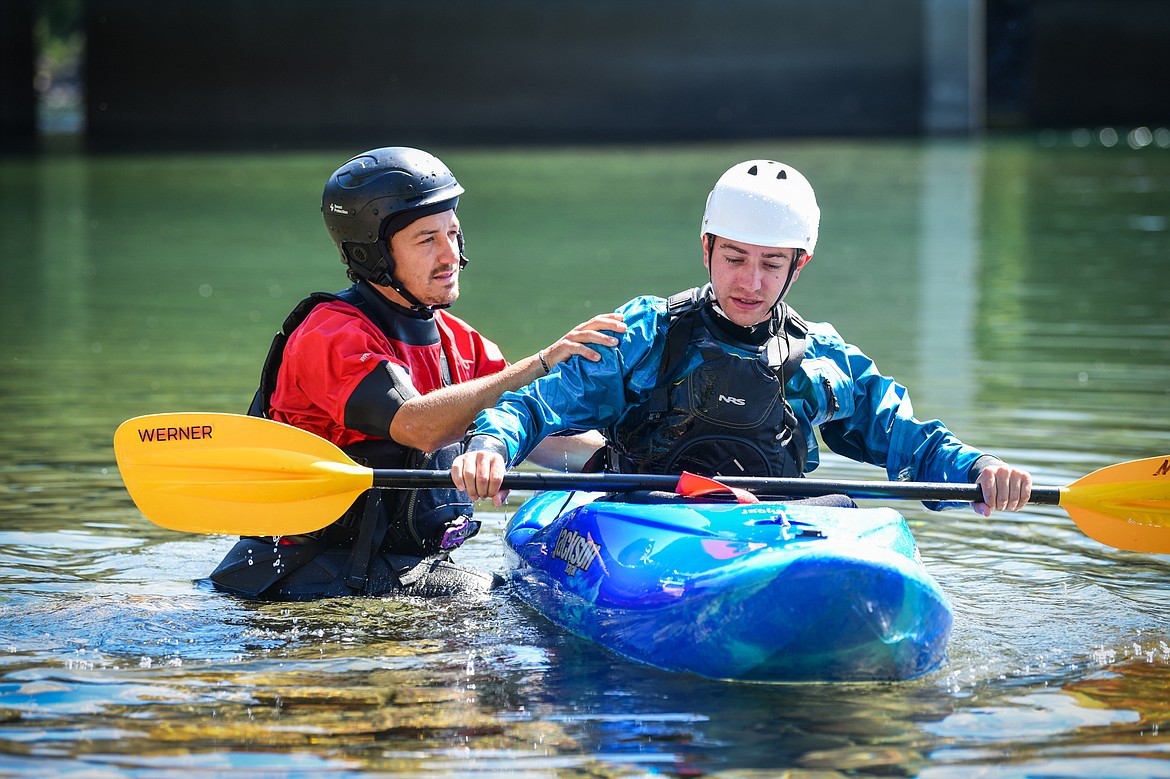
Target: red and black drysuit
341	367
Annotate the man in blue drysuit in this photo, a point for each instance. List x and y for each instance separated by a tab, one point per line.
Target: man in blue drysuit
728	380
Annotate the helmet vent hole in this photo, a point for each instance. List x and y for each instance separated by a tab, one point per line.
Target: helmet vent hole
753	170
783	174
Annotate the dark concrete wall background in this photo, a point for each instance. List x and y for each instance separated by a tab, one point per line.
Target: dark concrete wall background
18	106
285	73
291	72
1096	62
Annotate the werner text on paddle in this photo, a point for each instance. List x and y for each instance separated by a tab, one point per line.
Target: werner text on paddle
161	434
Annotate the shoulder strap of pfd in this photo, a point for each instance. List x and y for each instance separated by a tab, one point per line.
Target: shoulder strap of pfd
261	401
681	308
784	351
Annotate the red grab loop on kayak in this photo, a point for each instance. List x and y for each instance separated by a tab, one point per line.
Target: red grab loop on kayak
692	485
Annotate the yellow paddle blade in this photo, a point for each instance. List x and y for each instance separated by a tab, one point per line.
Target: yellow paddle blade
1125	505
235	475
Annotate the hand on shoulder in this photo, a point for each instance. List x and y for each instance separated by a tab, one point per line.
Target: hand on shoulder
597	331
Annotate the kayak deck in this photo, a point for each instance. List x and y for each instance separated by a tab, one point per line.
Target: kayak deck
758	592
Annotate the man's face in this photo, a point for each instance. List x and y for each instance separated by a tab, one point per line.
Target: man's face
426	259
747	279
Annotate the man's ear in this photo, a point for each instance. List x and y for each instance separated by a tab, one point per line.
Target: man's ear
804	258
705	243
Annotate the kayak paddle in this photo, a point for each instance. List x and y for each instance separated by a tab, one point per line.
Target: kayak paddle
240	475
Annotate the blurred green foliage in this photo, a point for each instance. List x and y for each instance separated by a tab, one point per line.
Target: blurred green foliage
59	37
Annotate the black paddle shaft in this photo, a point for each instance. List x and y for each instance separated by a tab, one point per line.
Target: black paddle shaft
631	482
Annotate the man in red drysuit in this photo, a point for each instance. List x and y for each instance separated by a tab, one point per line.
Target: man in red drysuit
383	371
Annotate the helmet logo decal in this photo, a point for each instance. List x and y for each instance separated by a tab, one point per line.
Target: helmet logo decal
336	209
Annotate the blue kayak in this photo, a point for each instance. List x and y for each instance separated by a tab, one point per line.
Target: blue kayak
766	592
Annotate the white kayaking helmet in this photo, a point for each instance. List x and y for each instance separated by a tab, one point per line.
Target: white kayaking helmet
765	203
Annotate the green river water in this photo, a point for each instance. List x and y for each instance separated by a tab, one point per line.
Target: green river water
1018	286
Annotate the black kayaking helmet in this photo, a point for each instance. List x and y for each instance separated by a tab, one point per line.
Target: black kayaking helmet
376	194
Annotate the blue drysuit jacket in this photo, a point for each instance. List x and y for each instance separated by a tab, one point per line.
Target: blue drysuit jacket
860	413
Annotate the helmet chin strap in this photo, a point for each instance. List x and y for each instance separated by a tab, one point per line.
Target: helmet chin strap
415	303
796	255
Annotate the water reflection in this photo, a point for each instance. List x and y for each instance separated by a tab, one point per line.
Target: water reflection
948	257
